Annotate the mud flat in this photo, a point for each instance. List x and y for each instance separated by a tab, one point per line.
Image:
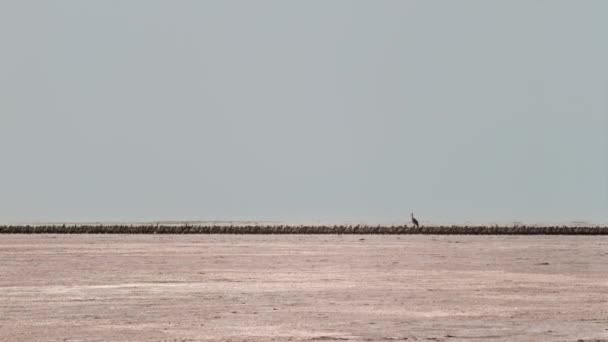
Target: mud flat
303	288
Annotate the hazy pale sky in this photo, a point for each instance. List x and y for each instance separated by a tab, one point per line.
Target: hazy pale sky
303	110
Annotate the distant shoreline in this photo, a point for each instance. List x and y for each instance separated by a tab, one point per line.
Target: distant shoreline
256	228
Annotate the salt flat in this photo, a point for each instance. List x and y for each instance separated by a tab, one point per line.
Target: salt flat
303	288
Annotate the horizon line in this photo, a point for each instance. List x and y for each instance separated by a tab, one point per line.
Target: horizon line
429	223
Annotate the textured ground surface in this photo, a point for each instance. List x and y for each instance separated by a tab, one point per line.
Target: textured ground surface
303	288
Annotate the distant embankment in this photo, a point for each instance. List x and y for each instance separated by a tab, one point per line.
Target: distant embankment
302	229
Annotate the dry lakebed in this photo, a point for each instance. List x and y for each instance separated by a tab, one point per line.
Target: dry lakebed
303	288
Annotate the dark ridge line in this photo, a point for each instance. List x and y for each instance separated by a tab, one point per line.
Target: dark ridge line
304	229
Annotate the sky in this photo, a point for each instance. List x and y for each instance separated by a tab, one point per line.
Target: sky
301	111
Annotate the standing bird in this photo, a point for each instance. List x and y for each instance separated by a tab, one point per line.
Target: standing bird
414	221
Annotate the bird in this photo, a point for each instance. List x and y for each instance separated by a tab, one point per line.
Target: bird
414	221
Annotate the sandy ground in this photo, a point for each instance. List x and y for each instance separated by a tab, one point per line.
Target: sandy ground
303	288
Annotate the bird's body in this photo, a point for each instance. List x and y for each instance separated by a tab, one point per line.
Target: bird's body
414	221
